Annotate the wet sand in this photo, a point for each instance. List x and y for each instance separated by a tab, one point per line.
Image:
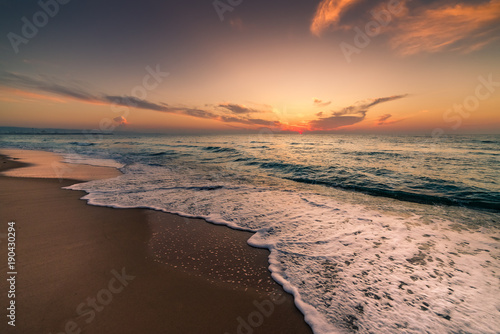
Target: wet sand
88	269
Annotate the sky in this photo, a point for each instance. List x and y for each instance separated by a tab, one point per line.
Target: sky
230	66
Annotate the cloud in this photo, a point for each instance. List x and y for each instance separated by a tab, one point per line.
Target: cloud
223	112
349	115
320	103
122	121
384	120
363	106
419	25
193	112
196	113
461	27
329	13
381	120
384	99
240	109
72	90
334	122
49	85
131	101
249	121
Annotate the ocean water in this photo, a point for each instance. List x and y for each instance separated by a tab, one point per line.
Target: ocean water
371	234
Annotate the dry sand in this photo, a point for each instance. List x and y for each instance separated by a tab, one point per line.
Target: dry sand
88	269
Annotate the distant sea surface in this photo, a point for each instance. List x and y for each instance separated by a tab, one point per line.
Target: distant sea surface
372	234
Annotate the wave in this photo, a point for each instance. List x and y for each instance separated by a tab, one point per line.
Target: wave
219	149
466	198
166	153
287	167
374	153
82	143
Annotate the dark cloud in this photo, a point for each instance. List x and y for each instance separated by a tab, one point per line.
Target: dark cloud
362	107
385	99
249	121
130	101
349	115
45	84
384	120
351	110
240	109
72	90
197	113
333	122
230	119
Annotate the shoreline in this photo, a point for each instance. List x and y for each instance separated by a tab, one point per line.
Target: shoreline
191	276
42	164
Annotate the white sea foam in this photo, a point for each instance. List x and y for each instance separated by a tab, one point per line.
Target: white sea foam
349	267
74	158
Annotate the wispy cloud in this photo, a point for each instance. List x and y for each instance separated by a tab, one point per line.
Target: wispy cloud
329	13
349	115
444	27
230	113
384	99
15	94
421	26
250	121
387	119
26	84
130	101
381	120
241	109
47	84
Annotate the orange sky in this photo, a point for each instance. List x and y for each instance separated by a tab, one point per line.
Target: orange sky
336	65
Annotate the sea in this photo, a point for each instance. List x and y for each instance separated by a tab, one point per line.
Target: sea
370	233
